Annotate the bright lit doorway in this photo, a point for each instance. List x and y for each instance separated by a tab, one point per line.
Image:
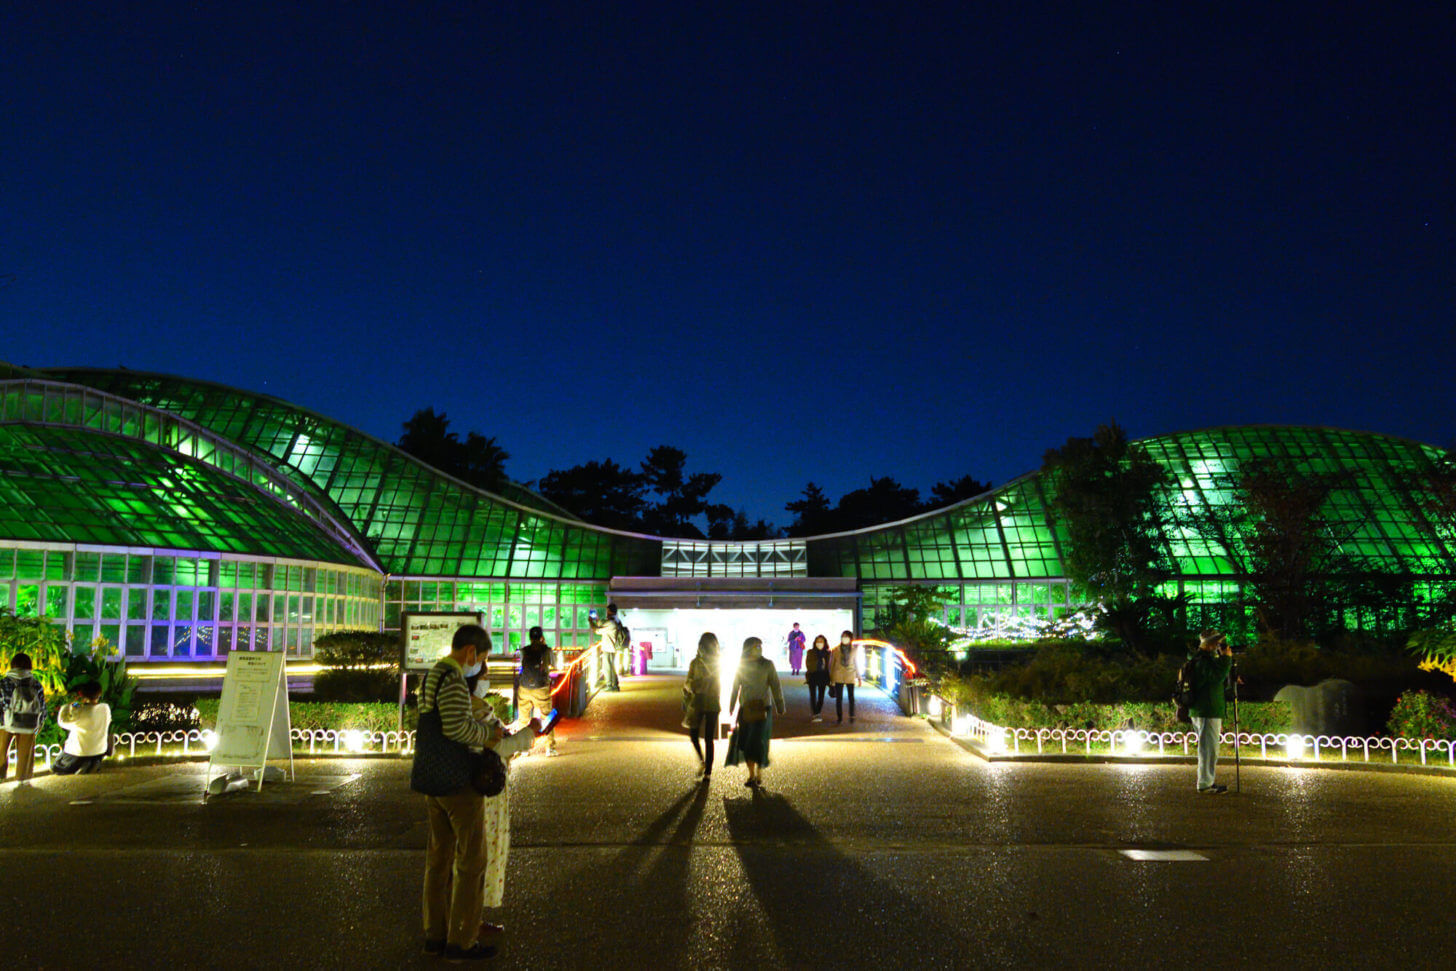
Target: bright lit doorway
674	631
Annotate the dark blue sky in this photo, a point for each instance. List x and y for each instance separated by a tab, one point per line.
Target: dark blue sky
821	242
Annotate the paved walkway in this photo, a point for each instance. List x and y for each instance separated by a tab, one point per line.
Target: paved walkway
877	844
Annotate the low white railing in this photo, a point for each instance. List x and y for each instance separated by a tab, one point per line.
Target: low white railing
1288	746
197	742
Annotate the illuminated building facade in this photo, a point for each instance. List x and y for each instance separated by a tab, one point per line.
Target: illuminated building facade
182	519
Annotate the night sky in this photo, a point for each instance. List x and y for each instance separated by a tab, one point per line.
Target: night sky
799	241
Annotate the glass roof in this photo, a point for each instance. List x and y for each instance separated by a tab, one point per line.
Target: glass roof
79	486
418	521
1009	533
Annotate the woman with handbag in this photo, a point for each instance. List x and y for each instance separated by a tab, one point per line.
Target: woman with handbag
702	701
757	695
844	674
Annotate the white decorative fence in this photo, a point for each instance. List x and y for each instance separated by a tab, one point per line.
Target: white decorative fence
198	742
1001	740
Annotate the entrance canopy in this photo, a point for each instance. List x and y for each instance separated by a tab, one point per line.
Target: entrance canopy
805	593
669	614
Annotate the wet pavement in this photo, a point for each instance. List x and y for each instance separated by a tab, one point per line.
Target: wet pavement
879	842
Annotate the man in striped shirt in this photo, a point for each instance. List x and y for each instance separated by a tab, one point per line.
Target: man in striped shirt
455	855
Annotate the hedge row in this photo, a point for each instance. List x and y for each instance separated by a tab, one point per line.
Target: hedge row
1254	716
340	715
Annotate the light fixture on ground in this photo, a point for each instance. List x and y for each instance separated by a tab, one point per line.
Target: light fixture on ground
1294	748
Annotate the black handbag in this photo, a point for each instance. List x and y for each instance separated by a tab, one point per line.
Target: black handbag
445	767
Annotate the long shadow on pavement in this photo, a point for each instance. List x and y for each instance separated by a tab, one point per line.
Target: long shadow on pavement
824	908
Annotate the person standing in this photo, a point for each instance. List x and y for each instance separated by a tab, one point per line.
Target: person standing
498	807
22	715
456	849
614	638
88	720
1208	674
702	697
534	687
757	695
844	674
816	668
796	651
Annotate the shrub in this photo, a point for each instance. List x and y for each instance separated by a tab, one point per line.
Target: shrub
1420	714
356	685
165	716
351	649
362	666
117	687
48	645
339	716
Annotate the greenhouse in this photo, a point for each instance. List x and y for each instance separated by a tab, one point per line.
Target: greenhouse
181	519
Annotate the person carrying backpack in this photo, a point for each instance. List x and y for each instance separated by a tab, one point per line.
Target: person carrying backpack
22	713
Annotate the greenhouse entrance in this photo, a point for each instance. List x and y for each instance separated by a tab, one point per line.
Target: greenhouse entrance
670	613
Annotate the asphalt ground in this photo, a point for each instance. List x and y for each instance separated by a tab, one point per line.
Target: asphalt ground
874	844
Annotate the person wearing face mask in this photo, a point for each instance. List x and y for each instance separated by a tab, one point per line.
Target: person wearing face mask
816	667
844	674
455	848
498	807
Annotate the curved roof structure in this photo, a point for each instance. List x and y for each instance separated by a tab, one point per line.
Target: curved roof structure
1009	533
417	520
76	485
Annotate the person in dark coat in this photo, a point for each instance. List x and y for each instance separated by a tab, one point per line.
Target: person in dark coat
816	675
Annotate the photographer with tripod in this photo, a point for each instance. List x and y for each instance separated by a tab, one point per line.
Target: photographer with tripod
1208	673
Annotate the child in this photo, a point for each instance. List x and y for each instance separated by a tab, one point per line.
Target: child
88	719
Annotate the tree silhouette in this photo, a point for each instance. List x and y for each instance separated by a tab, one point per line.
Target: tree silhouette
479	460
603	493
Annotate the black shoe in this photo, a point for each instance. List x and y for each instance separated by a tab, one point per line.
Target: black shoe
456	954
435	947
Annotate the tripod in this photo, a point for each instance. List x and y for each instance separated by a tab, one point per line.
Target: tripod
1234	674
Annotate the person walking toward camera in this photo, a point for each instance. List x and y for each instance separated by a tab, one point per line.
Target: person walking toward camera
796	651
757	694
1208	673
22	714
844	674
816	675
702	699
88	719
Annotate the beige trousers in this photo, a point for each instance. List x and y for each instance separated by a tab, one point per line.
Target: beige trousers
455	858
536	702
24	754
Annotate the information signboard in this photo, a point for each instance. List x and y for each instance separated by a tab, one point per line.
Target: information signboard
427	637
252	718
